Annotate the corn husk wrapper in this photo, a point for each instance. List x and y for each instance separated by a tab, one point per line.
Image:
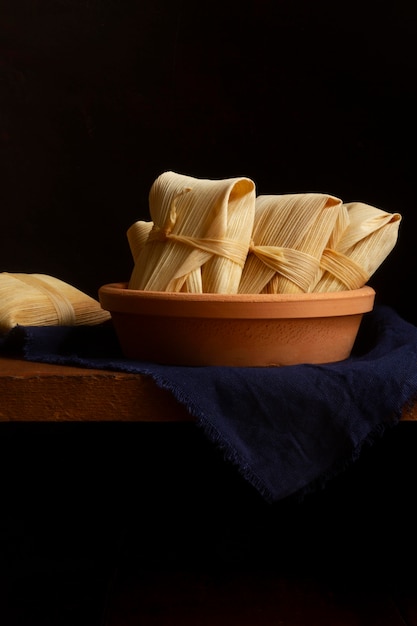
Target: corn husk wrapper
200	236
137	235
42	300
290	233
371	235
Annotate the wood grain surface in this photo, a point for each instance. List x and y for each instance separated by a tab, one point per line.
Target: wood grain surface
57	393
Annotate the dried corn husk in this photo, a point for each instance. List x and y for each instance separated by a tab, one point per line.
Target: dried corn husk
290	233
370	236
137	235
42	300
200	236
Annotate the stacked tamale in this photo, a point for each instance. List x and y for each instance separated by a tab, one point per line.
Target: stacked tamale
217	236
199	236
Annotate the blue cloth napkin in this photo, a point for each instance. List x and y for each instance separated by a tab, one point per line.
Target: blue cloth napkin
287	430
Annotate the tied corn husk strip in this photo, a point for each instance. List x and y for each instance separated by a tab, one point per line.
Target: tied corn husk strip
200	235
290	233
370	236
137	236
42	300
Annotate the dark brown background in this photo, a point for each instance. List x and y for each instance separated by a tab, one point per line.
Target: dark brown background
97	98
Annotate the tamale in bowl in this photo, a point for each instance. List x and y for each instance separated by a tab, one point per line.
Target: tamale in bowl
250	330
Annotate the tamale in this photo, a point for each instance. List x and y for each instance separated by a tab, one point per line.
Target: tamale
199	226
42	300
137	235
290	233
370	236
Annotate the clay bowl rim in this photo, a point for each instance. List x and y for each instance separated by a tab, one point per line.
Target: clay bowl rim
118	298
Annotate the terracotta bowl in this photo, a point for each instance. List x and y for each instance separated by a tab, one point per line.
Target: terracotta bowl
235	330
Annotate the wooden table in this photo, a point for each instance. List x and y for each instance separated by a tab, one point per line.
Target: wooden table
32	392
38	392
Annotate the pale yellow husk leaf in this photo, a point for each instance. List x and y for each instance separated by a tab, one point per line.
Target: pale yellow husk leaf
200	236
369	238
137	235
42	300
289	236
